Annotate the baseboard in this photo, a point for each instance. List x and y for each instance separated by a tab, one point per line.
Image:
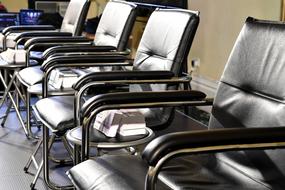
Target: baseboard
205	85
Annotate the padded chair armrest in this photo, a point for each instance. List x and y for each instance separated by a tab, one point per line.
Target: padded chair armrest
79	48
122	75
55	40
32	34
84	61
27	28
121	98
217	140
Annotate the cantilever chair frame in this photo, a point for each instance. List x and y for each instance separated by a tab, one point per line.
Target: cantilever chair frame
249	101
62	61
79	45
272	140
31	31
27	33
89	116
158	152
51	64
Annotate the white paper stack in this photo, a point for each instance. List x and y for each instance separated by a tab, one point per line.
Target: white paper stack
132	123
123	122
62	78
12	56
108	122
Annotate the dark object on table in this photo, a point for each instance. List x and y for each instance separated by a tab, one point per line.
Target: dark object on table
51	19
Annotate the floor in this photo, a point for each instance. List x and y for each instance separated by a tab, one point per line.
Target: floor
15	150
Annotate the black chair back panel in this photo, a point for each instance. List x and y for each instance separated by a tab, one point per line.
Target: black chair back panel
162	39
251	94
164	45
116	34
74	17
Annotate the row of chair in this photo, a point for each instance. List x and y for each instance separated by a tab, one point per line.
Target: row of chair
113	37
249	99
242	148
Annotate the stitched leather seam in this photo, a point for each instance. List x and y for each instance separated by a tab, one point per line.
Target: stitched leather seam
245	174
150	54
256	93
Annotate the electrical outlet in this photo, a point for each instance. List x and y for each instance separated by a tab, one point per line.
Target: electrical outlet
195	63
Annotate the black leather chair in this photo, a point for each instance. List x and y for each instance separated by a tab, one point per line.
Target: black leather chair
72	25
173	30
242	148
111	36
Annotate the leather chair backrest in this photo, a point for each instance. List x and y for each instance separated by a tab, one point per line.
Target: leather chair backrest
75	16
116	24
251	93
165	45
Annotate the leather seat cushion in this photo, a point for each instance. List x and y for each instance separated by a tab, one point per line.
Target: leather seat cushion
191	172
108	173
37	55
31	75
57	112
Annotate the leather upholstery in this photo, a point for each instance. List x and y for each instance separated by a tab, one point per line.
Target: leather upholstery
75	17
83	176
170	43
107	172
250	95
31	75
59	110
115	25
120	29
72	22
257	96
165	45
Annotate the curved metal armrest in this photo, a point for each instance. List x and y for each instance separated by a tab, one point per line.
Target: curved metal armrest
208	141
122	75
168	98
55	40
27	28
132	100
84	61
80	48
27	35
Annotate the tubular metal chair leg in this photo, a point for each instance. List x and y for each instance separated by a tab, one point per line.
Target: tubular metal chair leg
67	146
76	154
28	112
33	184
30	116
14	105
46	162
4	117
18	95
32	157
7	88
33	160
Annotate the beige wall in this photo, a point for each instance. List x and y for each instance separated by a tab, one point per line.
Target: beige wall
15	5
221	21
